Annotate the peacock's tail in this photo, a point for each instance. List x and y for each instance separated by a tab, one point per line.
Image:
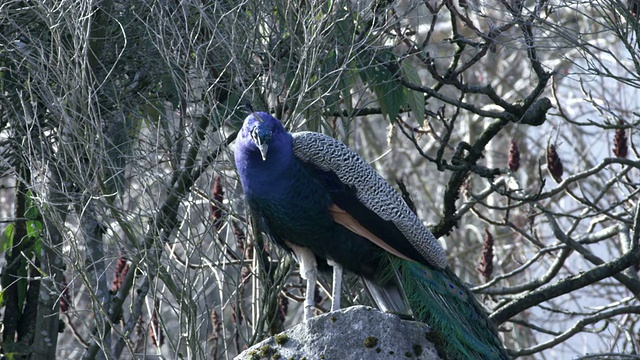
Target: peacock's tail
460	324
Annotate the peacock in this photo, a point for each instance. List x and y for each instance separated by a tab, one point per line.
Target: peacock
324	204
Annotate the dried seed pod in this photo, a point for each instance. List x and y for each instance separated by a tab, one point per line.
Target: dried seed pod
245	274
554	164
486	258
514	156
140	338
64	298
620	145
218	197
244	247
216	324
155	332
283	307
122	267
215	334
236	314
139	326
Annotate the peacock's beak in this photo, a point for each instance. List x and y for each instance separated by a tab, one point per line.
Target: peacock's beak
263	150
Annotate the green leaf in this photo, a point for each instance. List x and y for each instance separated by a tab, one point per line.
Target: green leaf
37	246
21	282
347	82
151	112
6	238
34	228
32	212
415	98
389	92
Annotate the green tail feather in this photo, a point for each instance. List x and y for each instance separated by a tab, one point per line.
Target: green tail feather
439	299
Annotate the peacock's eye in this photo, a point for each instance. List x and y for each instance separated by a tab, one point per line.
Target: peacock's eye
254	135
260	137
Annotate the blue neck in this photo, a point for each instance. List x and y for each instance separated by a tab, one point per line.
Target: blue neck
265	177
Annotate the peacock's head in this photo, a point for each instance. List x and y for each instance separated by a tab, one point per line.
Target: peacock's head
262	127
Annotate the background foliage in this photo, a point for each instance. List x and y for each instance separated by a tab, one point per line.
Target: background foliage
510	125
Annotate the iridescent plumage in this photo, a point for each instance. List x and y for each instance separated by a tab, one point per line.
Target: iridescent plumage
326	205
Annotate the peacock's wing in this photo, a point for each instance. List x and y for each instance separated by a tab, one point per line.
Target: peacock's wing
364	202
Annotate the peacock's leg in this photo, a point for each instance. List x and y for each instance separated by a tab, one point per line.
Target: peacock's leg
337	285
309	301
308	271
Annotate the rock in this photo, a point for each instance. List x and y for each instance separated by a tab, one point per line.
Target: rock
358	332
